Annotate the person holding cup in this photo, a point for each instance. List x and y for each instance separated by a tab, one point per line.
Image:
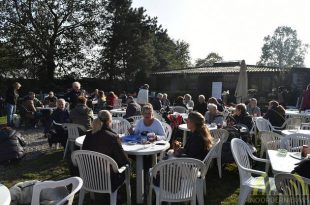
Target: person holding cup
149	124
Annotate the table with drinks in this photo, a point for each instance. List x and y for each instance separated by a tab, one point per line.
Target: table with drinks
139	146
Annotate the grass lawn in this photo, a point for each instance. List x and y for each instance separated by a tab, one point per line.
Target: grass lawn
50	166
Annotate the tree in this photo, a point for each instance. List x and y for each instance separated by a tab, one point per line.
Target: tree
283	49
209	60
51	34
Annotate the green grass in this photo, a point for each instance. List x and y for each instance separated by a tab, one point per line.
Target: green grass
50	166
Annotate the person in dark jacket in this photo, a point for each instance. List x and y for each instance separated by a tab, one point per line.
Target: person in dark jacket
180	102
306	99
104	140
73	94
50	100
157	105
214	101
275	114
81	114
59	115
241	116
199	142
202	105
133	108
11	101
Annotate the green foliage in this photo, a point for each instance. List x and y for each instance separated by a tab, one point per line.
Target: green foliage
209	60
283	49
50	34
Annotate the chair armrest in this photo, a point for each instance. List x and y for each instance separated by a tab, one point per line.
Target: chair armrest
123	168
255	171
260	159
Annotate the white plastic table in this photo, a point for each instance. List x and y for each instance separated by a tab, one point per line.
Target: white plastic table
295	113
288	132
5	196
282	164
139	151
185	129
119	112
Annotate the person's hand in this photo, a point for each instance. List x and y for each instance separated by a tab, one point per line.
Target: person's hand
130	130
176	145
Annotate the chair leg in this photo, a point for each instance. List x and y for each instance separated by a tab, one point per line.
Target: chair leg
128	192
244	192
113	198
200	190
66	149
219	165
204	187
262	150
81	196
92	196
149	197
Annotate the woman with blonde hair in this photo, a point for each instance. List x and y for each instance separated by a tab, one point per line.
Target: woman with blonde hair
199	142
104	140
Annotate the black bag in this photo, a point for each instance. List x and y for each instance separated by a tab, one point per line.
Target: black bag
11	145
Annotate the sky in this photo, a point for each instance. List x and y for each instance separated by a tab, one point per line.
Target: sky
235	29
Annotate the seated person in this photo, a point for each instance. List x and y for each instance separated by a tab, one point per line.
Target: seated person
275	114
111	100
214	101
101	101
104	140
57	133
165	101
241	116
81	114
199	142
213	115
180	102
31	103
149	124
201	106
133	108
252	108
36	101
50	100
188	101
157	105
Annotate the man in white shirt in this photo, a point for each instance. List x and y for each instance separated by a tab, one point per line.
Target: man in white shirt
143	95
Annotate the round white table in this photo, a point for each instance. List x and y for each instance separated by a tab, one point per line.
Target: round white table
119	112
5	196
139	151
288	132
296	113
185	129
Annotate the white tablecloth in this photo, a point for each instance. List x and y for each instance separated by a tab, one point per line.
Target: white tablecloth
288	132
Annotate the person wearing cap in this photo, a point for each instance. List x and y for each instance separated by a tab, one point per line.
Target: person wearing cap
133	108
143	95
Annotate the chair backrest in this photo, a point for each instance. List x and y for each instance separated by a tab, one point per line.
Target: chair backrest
208	159
177	178
294	142
95	170
292	123
293	189
135	118
120	125
158	116
73	130
220	134
76	183
179	109
241	152
168	130
272	140
263	124
305	126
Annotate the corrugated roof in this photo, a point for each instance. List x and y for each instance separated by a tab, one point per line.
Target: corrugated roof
223	69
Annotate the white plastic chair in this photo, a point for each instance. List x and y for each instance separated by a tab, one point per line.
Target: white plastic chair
241	153
223	135
202	189
263	125
305	126
293	189
294	142
73	133
95	170
179	109
290	123
76	183
168	131
158	116
135	118
120	125
177	180
269	140
307	111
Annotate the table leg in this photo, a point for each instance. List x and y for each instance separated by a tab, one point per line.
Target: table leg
140	178
184	137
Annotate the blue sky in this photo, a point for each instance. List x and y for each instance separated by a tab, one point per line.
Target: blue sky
233	28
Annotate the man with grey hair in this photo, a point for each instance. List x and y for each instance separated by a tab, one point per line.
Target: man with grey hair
253	109
188	101
202	105
214	116
157	105
73	94
165	101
